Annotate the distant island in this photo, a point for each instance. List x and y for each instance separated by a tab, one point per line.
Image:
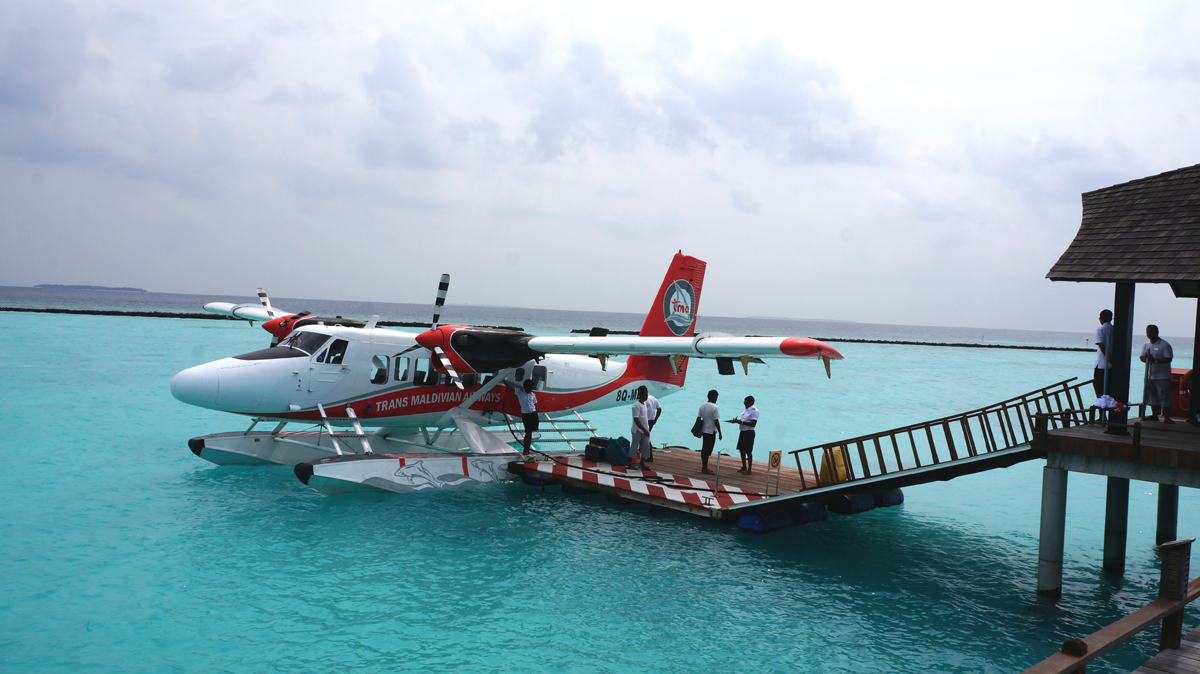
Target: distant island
67	287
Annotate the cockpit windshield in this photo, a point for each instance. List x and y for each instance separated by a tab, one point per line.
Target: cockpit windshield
307	342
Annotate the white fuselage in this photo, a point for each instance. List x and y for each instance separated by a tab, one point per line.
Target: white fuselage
386	379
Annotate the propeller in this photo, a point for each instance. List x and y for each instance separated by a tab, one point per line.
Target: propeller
443	286
266	302
442	358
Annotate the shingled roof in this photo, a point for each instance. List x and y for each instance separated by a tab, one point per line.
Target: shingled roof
1144	231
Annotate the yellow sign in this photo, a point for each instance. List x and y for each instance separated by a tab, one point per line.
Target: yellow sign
776	459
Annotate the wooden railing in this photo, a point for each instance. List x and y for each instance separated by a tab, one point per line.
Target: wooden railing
1002	425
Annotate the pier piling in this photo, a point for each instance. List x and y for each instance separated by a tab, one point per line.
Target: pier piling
1168	513
1116	524
1053	531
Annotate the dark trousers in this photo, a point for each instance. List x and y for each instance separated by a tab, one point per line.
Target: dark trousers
707	442
531	425
746	445
1098	382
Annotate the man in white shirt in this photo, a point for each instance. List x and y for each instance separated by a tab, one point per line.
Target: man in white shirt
529	415
710	429
653	412
1103	340
641	431
1157	355
747	421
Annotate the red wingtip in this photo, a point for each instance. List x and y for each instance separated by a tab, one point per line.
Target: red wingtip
802	347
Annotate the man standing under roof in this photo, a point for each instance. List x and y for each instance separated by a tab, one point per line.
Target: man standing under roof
529	415
747	421
1157	355
1103	339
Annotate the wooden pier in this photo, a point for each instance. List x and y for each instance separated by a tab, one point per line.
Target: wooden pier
994	436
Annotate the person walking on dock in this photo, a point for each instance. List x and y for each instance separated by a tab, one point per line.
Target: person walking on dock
747	421
710	429
641	431
529	415
1103	339
1157	355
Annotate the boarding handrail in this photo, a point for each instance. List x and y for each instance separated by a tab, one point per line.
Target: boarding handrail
995	427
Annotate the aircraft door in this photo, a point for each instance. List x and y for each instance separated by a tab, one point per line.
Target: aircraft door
326	370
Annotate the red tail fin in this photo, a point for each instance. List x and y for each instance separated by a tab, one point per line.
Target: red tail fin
673	314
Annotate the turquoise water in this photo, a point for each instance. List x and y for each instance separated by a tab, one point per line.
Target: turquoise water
124	552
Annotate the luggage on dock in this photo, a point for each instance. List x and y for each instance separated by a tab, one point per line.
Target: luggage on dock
596	448
617	452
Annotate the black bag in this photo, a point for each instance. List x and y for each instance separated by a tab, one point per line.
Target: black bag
698	427
594	452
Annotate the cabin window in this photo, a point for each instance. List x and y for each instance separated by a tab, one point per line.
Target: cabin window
379	369
425	375
519	375
337	351
308	342
539	377
468	381
401	369
322	356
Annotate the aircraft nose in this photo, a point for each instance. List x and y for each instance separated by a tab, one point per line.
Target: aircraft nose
196	386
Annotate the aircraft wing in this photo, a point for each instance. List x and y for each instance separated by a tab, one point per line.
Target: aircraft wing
249	312
701	346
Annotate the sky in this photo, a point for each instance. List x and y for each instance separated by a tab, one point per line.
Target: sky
910	163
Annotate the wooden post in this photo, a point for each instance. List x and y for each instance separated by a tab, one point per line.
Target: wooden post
1053	531
1116	524
1172	584
1119	352
1168	513
1194	411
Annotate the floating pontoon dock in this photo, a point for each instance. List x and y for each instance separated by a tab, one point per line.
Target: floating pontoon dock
851	475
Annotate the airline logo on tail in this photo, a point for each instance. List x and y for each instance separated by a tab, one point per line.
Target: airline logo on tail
679	304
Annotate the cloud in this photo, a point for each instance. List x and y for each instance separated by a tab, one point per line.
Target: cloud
215	68
42	51
774	102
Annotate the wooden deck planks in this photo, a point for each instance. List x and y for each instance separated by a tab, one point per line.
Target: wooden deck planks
1171	445
685	462
1184	660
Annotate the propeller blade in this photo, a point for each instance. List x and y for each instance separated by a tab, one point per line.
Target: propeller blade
266	302
445	361
441	300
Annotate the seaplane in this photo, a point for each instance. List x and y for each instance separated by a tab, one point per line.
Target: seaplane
440	404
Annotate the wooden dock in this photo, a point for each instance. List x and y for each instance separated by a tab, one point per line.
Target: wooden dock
675	482
1184	660
1145	453
852	475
